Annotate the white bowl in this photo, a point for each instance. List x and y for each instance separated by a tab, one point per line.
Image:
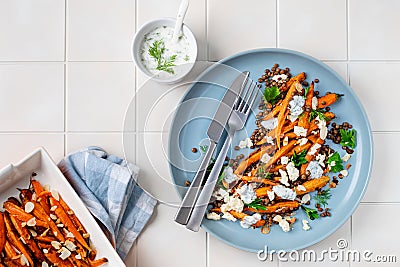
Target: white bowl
183	69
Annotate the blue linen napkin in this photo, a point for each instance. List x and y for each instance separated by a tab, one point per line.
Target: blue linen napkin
107	186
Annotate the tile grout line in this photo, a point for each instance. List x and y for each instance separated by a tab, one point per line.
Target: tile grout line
65	77
206	29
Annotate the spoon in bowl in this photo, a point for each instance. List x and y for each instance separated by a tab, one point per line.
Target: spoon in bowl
179	19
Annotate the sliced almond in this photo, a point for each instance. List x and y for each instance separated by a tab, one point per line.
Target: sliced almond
24	260
60	225
23	224
70	235
86	235
56	244
46	187
45	251
45	264
53	208
70	245
31	222
78	256
70	212
33	232
55	194
53	217
22	240
29	206
45	232
65	253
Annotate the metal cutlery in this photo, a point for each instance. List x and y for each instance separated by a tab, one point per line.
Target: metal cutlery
236	122
214	133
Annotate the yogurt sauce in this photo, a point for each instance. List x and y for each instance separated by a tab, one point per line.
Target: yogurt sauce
177	54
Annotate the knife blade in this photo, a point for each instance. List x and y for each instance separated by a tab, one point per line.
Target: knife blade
214	133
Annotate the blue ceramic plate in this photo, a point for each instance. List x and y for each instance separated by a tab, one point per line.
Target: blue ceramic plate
191	123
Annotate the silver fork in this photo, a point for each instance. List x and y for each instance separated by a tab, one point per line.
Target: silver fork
236	122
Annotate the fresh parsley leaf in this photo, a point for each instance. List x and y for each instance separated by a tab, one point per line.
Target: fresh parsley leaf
337	166
220	178
203	148
323	197
271	94
257	204
306	92
156	51
311	213
319	113
299	159
348	138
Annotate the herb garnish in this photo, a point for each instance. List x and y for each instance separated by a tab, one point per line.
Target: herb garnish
299	159
157	50
337	167
311	213
306	90
261	172
221	176
319	113
323	197
348	138
271	94
257	204
203	148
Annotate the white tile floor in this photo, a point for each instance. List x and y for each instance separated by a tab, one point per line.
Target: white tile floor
66	80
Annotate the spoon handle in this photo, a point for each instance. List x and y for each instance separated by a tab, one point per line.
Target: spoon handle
179	19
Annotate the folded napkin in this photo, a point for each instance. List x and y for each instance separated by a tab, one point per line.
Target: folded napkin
107	186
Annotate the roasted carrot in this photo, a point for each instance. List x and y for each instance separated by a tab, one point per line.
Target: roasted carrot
262	191
273	113
73	217
37	187
327	100
9	250
283	113
280	207
252	158
20	214
99	262
298	78
304	118
54	258
280	153
2	232
15	241
256	180
312	185
26	237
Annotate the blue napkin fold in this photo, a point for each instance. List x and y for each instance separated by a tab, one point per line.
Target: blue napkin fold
107	186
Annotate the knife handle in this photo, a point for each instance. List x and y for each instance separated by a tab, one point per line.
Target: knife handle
204	198
188	202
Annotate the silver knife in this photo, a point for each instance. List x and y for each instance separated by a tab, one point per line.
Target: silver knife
214	133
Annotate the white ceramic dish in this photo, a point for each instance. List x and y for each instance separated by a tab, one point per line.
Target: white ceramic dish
17	176
137	41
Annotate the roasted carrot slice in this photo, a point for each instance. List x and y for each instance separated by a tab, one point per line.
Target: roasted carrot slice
327	100
9	250
15	241
252	158
37	187
20	214
2	232
273	113
298	78
313	185
256	180
280	207
262	191
98	262
280	153
24	233
73	216
54	258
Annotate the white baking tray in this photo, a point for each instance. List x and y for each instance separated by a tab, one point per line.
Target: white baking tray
39	161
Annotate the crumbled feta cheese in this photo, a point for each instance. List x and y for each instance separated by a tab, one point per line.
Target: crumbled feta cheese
229	217
300	131
271	195
60	225
284	177
305	198
344	173
246	143
303	141
270	140
314	103
306	227
29	206
292	171
315	169
232	203
213	216
320	158
314	149
265	158
292	118
346	157
65	253
284	160
281	76
296	105
283	223
285	141
299	87
220	194
250	220
246	193
229	176
301	188
270	124
284	193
